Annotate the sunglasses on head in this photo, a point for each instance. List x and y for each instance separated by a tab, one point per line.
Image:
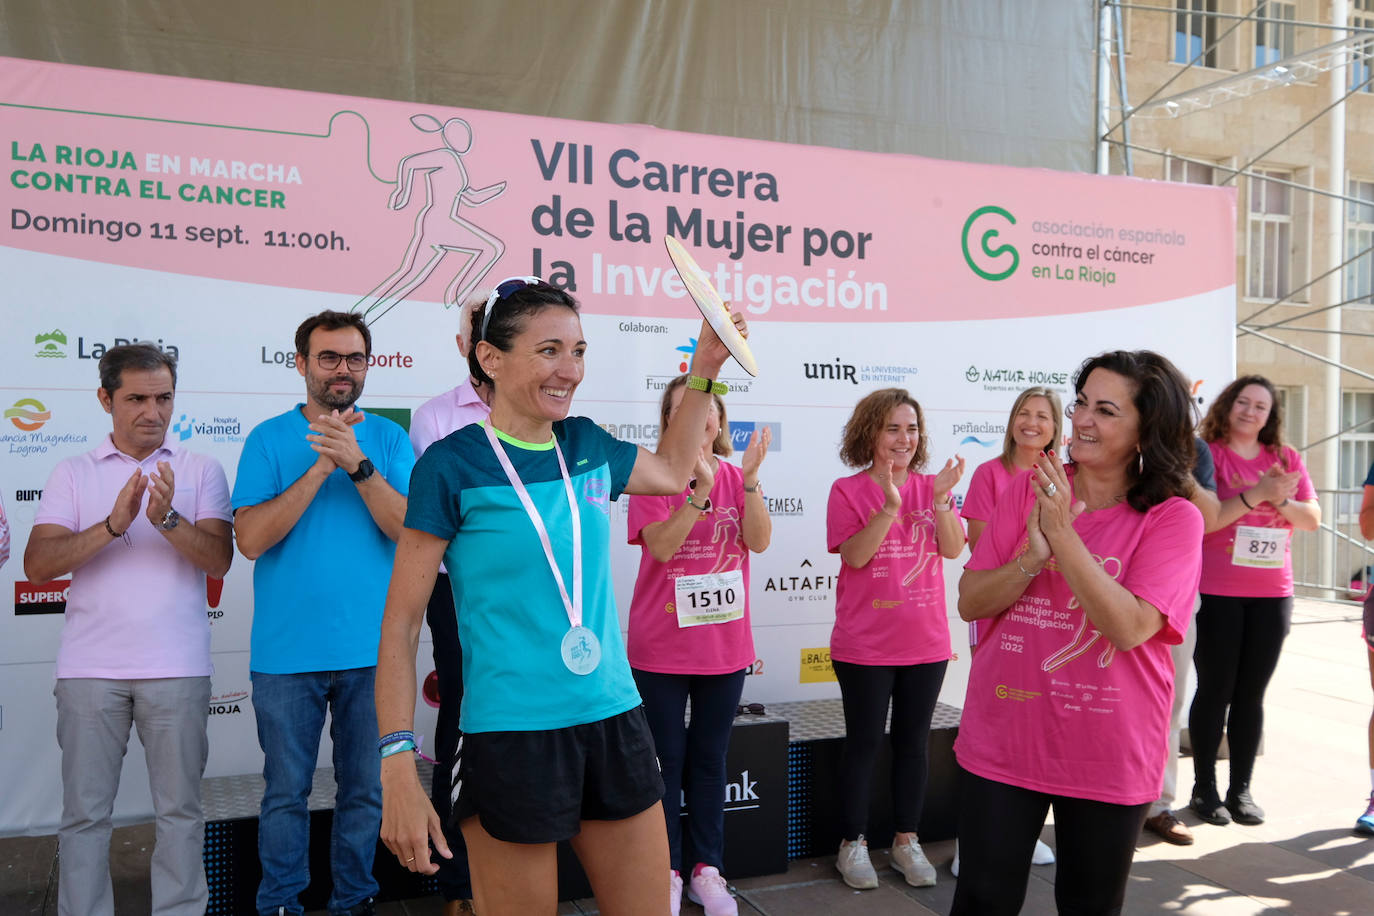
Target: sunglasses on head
504	290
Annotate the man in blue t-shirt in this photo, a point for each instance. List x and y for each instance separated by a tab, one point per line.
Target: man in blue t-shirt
320	489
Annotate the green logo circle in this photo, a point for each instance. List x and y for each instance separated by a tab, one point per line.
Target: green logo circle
985	244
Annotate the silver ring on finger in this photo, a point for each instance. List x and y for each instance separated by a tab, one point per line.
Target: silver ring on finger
1051	489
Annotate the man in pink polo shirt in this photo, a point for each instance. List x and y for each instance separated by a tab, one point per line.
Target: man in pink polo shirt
139	523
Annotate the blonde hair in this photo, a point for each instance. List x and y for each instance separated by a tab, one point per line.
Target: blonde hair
721	446
1056	413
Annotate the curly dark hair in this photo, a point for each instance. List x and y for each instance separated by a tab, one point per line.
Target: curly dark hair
1163	400
508	316
867	421
1216	426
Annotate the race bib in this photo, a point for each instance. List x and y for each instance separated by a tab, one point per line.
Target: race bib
1261	547
709	598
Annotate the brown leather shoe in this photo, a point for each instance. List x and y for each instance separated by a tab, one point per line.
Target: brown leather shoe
1169	828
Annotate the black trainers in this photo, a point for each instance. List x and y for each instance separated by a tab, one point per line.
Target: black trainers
1207	805
1243	808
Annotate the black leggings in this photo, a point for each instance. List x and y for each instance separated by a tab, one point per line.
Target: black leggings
998	827
865	690
1238	645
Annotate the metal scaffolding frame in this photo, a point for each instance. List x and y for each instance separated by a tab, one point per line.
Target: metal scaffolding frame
1352	45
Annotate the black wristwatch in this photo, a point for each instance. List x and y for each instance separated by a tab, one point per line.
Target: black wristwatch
365	470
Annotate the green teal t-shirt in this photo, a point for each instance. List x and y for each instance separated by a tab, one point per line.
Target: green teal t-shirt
511	619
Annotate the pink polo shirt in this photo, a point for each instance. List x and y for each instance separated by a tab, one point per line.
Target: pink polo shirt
137	608
892	611
1052	706
446	413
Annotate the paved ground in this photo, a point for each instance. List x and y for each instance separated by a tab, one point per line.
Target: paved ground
1312	779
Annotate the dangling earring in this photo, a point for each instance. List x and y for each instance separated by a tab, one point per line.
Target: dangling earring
1139	462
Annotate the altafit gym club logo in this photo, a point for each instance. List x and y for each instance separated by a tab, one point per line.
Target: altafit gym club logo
987	259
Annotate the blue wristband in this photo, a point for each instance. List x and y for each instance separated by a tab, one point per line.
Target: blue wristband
394	737
397	747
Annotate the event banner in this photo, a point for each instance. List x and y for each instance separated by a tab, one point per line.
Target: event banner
210	219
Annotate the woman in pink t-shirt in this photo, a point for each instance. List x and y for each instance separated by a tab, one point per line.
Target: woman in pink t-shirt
1034	426
891	527
1247	588
1087	572
690	635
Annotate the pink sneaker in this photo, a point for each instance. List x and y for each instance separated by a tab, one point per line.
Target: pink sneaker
674	892
708	888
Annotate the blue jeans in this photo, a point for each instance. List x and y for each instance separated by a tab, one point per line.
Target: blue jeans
290	712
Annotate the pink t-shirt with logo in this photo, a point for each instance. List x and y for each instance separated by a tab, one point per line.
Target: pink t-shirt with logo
137	608
715	544
892	611
1052	706
1220	576
989	478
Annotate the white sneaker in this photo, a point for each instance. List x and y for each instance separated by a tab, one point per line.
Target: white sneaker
911	861
1043	855
855	866
709	889
674	892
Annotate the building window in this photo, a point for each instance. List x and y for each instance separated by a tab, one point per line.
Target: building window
1273	36
1182	170
1270	231
1194	31
1357	449
1362	58
1359	236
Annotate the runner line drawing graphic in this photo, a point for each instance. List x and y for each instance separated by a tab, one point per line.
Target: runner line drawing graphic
439	229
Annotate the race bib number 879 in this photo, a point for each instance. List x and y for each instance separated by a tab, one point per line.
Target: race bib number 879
1260	547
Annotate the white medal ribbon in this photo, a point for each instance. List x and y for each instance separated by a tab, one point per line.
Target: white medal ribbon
581	652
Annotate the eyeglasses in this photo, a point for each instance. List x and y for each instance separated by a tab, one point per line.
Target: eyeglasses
505	289
329	360
753	709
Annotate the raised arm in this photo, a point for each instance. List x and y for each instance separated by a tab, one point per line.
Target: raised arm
949	533
258	528
54	550
1126	620
668	469
208	543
